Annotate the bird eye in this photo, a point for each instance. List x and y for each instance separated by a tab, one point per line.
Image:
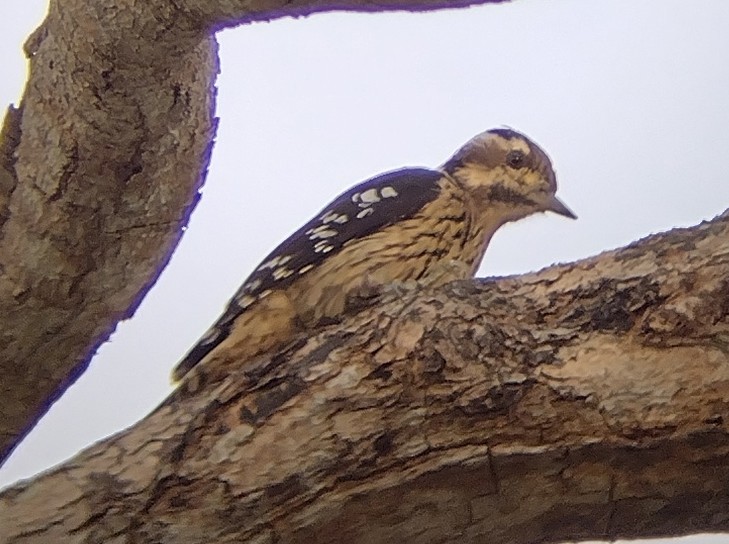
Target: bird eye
515	158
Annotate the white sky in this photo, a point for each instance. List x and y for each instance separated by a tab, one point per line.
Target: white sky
630	99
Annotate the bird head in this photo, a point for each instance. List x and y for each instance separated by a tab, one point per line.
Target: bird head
506	172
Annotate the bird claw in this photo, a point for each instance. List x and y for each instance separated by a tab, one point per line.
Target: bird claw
446	272
397	289
368	293
371	291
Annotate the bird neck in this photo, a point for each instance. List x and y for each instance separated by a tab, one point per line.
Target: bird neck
489	206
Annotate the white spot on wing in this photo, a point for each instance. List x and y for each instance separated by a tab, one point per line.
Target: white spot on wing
210	335
275	261
370	196
334	217
253	285
247	300
305	269
320	232
281	273
364	213
270	263
388	192
322	246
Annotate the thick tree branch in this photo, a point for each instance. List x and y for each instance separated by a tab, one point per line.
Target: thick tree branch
99	171
584	401
110	146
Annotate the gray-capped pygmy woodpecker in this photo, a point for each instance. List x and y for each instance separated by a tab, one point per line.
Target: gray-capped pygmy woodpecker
431	226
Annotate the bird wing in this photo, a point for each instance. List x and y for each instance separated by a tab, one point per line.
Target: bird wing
362	210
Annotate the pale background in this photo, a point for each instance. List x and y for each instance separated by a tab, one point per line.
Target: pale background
630	98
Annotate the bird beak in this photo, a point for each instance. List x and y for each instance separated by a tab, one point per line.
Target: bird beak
555	205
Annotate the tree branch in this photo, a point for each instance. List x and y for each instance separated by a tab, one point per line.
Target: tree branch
100	170
219	14
583	401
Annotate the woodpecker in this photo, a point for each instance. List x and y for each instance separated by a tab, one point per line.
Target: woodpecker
427	225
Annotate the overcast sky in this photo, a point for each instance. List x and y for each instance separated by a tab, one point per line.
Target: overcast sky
630	99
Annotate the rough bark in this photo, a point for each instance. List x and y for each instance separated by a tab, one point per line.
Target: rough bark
100	168
584	401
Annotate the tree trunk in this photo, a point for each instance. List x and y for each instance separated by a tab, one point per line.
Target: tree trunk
100	168
584	401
